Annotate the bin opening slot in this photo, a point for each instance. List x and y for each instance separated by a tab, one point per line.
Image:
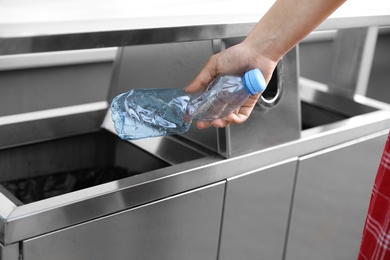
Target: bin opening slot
42	170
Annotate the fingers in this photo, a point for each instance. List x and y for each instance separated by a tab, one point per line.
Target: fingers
235	60
223	122
217	123
203	124
234	118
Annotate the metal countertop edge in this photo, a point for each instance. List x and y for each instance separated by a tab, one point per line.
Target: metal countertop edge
151	186
126	37
116	38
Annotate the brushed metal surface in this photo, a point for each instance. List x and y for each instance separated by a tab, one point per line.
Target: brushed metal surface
20	222
269	125
256	212
164	65
176	228
88	151
91	26
37	89
353	52
283	115
175	65
40	217
117	38
326	100
50	124
170	149
9	252
48	59
331	199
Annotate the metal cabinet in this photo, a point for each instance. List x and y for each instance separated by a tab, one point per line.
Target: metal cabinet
9	252
176	64
331	199
256	213
180	227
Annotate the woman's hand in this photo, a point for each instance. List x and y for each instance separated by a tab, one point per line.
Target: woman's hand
234	60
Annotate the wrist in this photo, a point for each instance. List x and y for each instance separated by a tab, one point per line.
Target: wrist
260	58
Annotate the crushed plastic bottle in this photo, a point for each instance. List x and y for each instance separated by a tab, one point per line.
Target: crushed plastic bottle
142	113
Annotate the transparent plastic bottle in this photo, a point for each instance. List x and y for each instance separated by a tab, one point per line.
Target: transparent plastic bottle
142	113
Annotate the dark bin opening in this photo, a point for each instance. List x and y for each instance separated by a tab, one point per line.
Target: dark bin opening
321	108
42	170
313	116
43	187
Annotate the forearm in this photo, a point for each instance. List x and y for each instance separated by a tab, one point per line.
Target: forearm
280	29
286	23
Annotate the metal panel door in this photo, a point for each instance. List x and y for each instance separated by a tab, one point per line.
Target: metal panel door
256	213
181	227
331	200
9	252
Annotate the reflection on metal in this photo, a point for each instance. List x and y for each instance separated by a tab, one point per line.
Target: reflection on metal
218	45
163	65
274	91
250	147
51	123
69	209
367	59
332	194
278	106
258	203
320	36
61	58
115	38
334	103
8	204
352	58
72	41
9	252
52	113
173	150
184	226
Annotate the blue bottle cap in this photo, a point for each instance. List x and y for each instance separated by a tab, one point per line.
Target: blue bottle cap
254	81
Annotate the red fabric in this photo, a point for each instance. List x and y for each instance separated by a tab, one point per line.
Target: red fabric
376	234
